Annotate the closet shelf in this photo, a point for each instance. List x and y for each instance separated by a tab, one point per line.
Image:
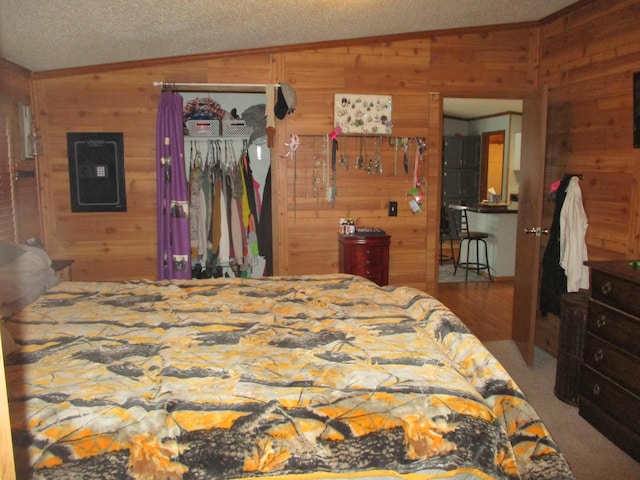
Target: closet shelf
216	137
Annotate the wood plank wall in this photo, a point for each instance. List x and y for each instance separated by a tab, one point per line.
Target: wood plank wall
19	214
117	246
588	57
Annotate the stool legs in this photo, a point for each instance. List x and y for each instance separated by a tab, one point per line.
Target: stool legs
477	265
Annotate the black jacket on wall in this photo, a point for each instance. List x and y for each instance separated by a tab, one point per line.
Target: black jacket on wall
554	280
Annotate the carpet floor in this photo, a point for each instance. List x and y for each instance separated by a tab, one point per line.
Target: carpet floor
589	453
446	275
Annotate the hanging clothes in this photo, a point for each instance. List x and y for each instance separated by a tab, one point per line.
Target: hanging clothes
573	229
554	280
199	218
216	212
225	208
263	229
173	255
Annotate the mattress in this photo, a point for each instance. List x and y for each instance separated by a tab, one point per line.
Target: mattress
317	376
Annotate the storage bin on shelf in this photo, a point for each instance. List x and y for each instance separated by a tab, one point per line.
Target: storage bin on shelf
235	128
204	128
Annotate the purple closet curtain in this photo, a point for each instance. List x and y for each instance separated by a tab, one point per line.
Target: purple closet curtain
174	256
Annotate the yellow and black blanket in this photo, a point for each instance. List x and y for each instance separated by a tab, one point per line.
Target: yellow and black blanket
325	376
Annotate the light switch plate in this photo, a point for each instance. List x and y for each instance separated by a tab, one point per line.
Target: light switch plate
393	209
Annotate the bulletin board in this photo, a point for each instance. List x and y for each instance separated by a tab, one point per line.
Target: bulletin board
364	114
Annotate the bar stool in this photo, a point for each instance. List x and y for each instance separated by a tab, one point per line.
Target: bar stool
459	223
446	237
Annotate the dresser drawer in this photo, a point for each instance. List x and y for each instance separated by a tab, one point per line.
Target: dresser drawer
619	433
612	363
366	257
615	291
620	404
615	327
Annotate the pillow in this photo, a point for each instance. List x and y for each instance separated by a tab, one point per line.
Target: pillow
9	252
28	276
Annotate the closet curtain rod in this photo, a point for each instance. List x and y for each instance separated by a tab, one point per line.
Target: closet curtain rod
227	87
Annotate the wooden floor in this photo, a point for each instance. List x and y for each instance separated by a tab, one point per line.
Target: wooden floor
485	307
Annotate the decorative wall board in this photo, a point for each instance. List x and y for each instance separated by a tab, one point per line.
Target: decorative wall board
366	114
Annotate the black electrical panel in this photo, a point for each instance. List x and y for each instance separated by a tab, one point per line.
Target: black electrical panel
96	172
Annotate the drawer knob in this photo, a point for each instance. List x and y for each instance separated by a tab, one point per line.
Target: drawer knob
606	288
368	252
596	389
601	321
599	355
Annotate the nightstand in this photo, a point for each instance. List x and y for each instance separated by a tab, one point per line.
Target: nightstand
62	269
366	255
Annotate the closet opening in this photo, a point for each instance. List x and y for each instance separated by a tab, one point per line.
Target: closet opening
228	173
227	166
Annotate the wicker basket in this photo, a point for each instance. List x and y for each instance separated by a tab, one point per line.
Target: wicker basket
203	128
573	324
235	128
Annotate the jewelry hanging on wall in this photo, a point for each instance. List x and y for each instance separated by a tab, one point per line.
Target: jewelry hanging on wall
359	164
326	179
315	172
292	147
332	191
395	143
405	157
375	164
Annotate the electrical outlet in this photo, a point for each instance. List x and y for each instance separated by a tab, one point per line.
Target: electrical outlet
393	209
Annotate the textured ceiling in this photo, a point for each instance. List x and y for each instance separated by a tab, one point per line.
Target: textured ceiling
45	35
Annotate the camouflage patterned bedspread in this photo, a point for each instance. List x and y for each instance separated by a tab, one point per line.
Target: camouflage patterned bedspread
250	378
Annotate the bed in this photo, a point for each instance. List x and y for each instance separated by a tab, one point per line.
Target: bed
317	376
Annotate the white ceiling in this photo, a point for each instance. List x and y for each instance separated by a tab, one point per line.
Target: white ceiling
45	35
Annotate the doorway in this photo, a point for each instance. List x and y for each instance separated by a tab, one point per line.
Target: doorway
497	125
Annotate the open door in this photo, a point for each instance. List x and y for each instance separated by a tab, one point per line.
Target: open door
527	269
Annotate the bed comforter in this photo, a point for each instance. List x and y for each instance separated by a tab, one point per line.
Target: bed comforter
326	376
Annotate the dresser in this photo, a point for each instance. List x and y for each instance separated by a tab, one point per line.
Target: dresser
610	379
366	255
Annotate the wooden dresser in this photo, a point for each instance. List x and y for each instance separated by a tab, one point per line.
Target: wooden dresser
365	255
610	381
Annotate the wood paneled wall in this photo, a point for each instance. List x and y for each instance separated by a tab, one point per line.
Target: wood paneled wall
588	57
18	211
416	70
19	207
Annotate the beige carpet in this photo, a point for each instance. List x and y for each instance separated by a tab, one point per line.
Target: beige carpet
589	453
